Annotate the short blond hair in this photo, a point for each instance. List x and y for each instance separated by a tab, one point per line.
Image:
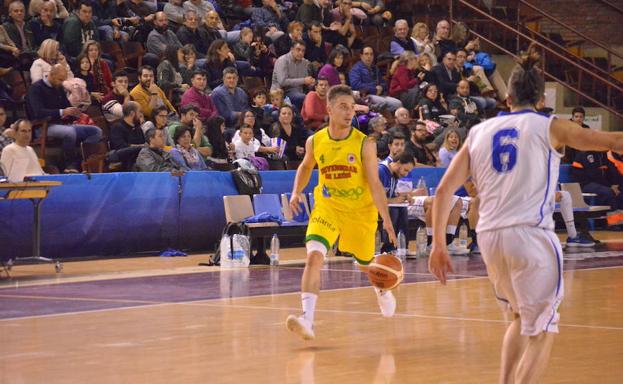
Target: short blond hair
417	28
48	50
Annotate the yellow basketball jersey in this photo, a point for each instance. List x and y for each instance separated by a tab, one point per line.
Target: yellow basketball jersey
342	183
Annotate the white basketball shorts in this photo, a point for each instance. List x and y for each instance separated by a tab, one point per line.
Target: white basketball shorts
525	266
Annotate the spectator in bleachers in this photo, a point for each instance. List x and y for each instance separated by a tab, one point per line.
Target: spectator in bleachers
271	16
331	70
148	94
401	41
7	134
184	154
35	6
442	41
49	55
396	146
99	67
9	52
216	30
432	104
315	50
161	36
578	114
159	121
119	95
169	77
198	96
243	49
174	11
425	65
230	100
108	20
291	73
189	118
152	157
478	82
416	146
83	72
47	99
126	136
222	152
593	171
404	84
79	28
219	57
420	36
18	30
188	64
449	148
191	33
283	44
446	75
248	117
260	108
20	152
201	7
374	9
476	57
483	104
343	23
248	147
308	13
293	134
378	132
314	111
45	25
402	122
365	77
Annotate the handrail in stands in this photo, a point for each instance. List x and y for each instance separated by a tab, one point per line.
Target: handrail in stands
568	27
544	48
549	75
613	6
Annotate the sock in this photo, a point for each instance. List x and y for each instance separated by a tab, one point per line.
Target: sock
566	210
379	291
449	238
309	305
451	230
429	235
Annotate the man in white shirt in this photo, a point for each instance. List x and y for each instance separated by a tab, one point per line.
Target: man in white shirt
19	159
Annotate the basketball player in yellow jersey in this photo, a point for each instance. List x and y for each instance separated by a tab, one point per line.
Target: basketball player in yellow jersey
348	199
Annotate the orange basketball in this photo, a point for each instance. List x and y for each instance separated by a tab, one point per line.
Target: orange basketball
385	271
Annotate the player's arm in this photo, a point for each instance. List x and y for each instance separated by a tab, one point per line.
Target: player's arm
371	169
303	174
566	132
439	262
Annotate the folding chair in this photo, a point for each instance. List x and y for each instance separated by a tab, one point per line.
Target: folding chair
270	204
238	208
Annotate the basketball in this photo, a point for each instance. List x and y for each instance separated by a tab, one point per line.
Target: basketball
385	271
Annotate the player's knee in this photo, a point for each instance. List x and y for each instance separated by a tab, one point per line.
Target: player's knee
315	259
428	203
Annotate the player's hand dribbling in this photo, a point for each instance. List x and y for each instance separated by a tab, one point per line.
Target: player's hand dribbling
389	228
439	263
295	203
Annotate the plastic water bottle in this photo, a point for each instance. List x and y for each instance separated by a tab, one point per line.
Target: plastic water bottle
463	236
420	242
274	250
422	184
401	252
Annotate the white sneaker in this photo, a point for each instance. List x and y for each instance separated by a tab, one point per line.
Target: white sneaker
301	326
457	251
387	302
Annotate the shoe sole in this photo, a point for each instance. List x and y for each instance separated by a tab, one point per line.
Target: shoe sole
295	327
580	245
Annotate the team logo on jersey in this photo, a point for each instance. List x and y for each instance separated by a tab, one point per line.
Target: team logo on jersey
351	158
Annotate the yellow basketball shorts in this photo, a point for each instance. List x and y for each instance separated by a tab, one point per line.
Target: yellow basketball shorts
356	230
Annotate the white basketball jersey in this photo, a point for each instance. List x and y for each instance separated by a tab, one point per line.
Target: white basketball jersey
515	170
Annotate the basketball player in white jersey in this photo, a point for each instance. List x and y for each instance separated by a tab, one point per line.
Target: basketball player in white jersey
513	160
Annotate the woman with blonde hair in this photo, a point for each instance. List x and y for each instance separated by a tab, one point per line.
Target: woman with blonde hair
49	55
404	83
425	65
450	147
421	38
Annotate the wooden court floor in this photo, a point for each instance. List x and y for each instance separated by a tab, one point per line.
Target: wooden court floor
158	329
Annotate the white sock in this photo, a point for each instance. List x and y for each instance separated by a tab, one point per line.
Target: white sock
429	231
566	210
379	291
451	229
309	305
